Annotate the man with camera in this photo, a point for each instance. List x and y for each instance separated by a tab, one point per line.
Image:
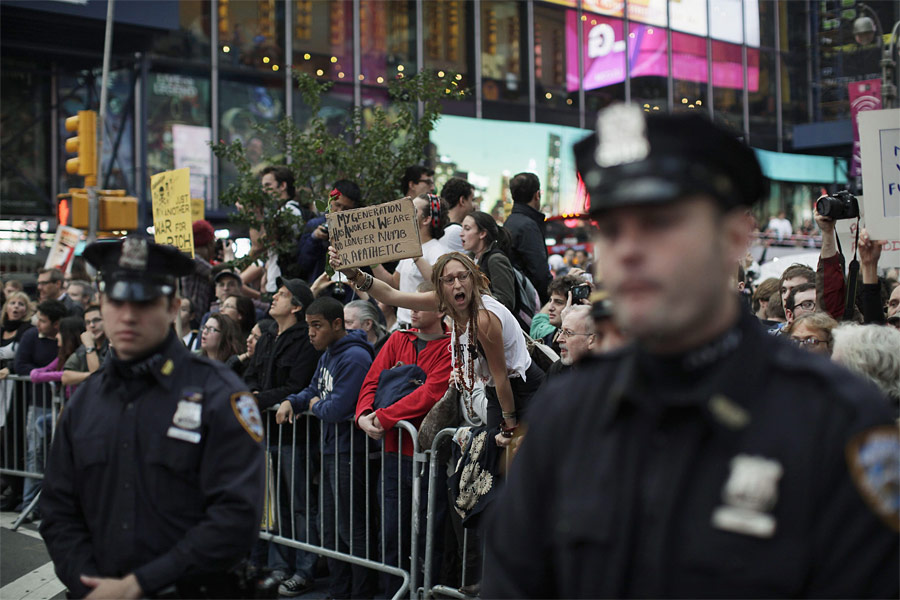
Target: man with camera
565	291
706	458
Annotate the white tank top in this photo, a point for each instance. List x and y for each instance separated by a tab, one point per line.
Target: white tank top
515	351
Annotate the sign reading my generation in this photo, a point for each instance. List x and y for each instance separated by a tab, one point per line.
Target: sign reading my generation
375	234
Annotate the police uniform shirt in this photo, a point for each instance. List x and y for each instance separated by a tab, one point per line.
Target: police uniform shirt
749	469
156	469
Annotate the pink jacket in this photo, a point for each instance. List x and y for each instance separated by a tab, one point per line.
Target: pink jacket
47	374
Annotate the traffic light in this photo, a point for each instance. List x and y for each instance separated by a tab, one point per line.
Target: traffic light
84	145
118	212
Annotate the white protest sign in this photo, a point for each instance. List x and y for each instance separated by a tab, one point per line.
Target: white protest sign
879	139
63	249
846	232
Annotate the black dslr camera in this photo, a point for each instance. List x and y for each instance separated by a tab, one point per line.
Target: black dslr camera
843	205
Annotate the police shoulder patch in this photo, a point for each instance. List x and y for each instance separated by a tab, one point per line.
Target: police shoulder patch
873	457
247	412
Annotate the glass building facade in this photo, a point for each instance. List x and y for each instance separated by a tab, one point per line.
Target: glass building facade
189	71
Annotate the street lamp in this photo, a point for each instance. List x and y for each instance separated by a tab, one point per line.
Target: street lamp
864	31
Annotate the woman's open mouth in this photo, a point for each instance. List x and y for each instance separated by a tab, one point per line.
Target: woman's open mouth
459	296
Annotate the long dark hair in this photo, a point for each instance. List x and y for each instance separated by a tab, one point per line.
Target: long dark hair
70	330
230	341
246	312
495	234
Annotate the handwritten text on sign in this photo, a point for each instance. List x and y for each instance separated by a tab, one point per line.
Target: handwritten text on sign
171	192
375	234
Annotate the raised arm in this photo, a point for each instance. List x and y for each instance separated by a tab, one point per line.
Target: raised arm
384	292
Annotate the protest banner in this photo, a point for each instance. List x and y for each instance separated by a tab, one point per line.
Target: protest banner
171	192
63	248
879	138
375	234
846	232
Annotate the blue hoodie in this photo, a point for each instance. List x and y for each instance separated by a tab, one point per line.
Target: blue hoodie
338	378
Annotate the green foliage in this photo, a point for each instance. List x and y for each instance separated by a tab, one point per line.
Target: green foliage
373	148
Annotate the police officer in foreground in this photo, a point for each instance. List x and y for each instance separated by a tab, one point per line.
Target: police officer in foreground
707	458
155	479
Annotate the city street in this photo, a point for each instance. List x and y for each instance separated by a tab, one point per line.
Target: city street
25	568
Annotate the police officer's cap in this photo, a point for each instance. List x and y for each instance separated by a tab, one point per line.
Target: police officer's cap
639	158
135	269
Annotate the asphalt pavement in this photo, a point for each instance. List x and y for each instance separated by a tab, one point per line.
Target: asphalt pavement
26	572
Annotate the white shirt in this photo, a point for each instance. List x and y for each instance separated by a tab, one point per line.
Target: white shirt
781	227
515	350
411	278
451	237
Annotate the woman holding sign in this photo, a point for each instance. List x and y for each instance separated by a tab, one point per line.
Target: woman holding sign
487	343
431	218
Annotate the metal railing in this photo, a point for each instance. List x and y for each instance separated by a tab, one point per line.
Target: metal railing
410	552
30	413
338	467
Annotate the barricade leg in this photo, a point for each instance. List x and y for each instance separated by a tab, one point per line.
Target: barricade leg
346	581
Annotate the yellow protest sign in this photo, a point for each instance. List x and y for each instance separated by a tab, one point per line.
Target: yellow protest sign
171	193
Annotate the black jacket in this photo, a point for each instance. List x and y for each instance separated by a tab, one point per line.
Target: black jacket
727	473
137	483
284	365
526	229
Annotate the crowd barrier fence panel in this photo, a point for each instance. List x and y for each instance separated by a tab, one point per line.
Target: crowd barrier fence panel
30	414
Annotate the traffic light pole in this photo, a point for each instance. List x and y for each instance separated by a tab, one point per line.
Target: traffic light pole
93	199
93	214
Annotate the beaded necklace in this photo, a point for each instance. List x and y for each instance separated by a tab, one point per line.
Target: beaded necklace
464	354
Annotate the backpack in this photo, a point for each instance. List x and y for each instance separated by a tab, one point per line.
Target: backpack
527	302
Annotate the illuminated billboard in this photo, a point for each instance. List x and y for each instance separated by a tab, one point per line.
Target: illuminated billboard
604	55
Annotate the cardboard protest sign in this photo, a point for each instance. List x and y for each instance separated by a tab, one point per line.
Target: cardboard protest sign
879	138
375	234
63	249
171	192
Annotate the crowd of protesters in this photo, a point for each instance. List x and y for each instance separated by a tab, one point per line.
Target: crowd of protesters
485	315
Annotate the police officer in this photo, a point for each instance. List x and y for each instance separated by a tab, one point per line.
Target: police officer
155	479
706	458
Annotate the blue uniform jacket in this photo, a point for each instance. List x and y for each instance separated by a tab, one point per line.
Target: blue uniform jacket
156	469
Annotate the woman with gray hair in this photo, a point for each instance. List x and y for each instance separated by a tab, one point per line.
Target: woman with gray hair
361	314
872	351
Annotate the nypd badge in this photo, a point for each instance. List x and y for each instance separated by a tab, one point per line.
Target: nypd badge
749	494
247	413
187	415
874	460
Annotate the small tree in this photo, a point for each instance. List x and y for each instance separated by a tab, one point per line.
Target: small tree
372	152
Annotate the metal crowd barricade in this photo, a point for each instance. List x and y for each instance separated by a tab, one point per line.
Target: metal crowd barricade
295	529
30	412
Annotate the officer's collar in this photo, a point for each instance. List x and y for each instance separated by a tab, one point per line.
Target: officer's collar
159	363
714	378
